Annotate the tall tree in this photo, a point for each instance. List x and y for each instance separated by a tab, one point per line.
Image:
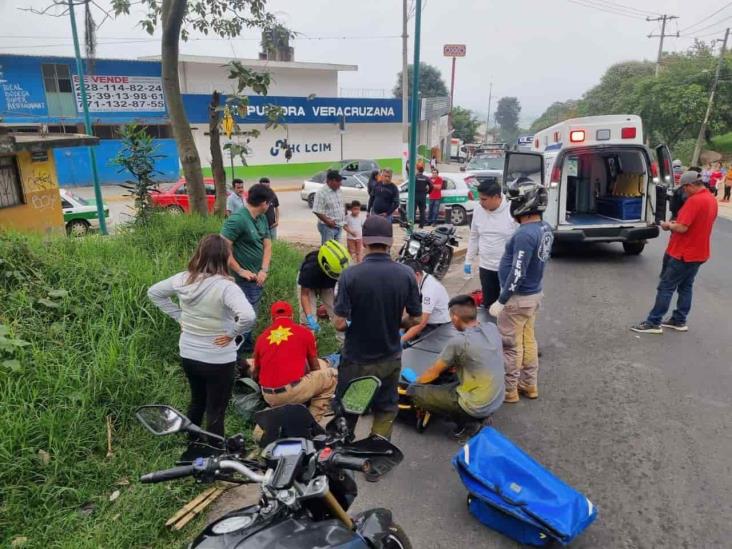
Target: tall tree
431	83
465	124
507	117
555	113
224	18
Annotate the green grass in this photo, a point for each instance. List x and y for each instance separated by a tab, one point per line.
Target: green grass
98	348
293	170
722	143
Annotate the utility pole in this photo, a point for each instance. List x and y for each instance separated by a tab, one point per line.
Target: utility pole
405	87
488	120
703	128
415	114
664	18
87	123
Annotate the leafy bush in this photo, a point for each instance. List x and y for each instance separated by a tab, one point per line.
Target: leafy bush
96	349
683	150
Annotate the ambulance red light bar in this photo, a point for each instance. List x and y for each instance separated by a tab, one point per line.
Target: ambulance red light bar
577	136
628	133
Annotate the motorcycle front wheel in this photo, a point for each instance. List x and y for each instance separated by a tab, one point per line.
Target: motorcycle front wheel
396	538
442	265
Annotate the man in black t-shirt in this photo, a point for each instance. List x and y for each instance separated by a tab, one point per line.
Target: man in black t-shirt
422	187
273	213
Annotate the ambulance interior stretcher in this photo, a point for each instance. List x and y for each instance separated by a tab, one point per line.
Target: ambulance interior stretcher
603	187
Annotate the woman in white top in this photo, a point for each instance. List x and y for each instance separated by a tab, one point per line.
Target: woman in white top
211	310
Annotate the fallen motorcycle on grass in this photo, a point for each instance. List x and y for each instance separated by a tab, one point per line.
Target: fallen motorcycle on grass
306	478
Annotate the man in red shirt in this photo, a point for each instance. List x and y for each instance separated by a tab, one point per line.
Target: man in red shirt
435	197
688	248
286	365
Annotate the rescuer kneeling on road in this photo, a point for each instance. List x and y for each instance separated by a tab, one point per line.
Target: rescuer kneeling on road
286	365
475	355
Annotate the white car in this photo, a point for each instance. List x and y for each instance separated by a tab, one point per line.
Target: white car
459	197
80	214
353	188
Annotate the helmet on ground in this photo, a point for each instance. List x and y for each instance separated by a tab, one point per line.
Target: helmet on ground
333	258
527	197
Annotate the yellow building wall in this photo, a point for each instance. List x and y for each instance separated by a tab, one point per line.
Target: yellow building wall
41	210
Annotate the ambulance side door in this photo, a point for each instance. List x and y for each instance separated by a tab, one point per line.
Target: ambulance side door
659	186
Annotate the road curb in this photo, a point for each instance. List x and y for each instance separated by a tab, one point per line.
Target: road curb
288	189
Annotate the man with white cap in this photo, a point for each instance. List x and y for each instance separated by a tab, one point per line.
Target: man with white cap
688	248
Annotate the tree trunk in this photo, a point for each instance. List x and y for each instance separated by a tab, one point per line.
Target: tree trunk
172	20
217	158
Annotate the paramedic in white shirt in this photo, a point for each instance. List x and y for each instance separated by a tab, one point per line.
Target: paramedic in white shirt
435	311
491	228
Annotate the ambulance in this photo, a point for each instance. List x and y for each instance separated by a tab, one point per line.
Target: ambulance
604	184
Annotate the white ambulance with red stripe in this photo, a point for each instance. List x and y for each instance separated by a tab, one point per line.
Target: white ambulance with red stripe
604	183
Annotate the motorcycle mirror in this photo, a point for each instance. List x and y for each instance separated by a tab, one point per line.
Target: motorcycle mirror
162	420
358	394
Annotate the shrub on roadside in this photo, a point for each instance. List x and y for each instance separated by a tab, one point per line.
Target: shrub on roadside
97	349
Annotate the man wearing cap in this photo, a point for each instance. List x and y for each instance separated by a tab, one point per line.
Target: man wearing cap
286	365
328	207
369	305
688	248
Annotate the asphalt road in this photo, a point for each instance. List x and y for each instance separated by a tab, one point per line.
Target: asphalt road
641	424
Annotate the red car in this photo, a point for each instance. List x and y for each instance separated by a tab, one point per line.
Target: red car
175	198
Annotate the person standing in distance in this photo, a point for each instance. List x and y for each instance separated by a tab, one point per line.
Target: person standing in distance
328	207
248	232
521	272
386	196
688	248
273	213
371	299
491	228
435	197
422	187
235	199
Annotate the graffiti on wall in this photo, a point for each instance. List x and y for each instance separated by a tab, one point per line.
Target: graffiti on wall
39	180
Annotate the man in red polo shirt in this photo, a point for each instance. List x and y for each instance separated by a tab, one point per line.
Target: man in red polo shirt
688	248
286	365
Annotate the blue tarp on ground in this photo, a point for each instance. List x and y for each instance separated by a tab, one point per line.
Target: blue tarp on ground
512	493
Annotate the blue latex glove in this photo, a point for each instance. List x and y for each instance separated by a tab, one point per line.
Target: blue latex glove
313	323
348	323
468	269
401	333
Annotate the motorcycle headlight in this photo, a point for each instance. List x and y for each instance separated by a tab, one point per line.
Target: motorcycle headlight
413	247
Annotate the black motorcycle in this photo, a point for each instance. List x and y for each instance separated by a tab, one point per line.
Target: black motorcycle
433	249
305	476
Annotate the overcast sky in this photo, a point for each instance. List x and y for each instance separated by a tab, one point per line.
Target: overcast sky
537	50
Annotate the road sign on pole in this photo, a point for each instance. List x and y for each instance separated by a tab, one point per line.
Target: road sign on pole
453	50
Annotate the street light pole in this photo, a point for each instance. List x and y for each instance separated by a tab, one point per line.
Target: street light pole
87	123
488	120
703	128
414	118
405	87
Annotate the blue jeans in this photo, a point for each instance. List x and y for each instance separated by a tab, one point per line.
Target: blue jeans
328	233
253	293
273	233
434	210
676	276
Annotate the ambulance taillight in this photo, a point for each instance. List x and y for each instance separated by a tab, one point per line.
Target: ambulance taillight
628	133
577	136
555	177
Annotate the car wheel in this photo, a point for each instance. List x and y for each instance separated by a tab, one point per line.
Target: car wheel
174	210
634	247
458	215
77	227
311	200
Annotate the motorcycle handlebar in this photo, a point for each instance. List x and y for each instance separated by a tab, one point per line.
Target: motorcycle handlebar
168	474
350	462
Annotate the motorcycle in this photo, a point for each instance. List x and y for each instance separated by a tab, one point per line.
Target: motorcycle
433	249
306	478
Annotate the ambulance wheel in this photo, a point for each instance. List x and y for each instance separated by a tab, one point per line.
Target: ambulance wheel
634	247
311	200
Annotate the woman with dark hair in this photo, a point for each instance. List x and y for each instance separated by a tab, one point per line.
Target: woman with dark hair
211	310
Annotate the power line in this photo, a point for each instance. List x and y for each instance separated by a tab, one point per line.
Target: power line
623	7
706	18
614	12
712	25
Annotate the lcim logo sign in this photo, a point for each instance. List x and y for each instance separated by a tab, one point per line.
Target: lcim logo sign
298	148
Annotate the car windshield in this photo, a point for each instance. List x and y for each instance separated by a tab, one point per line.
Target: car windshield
486	163
77	198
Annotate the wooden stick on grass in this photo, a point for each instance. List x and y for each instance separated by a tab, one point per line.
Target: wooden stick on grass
109	437
189	506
